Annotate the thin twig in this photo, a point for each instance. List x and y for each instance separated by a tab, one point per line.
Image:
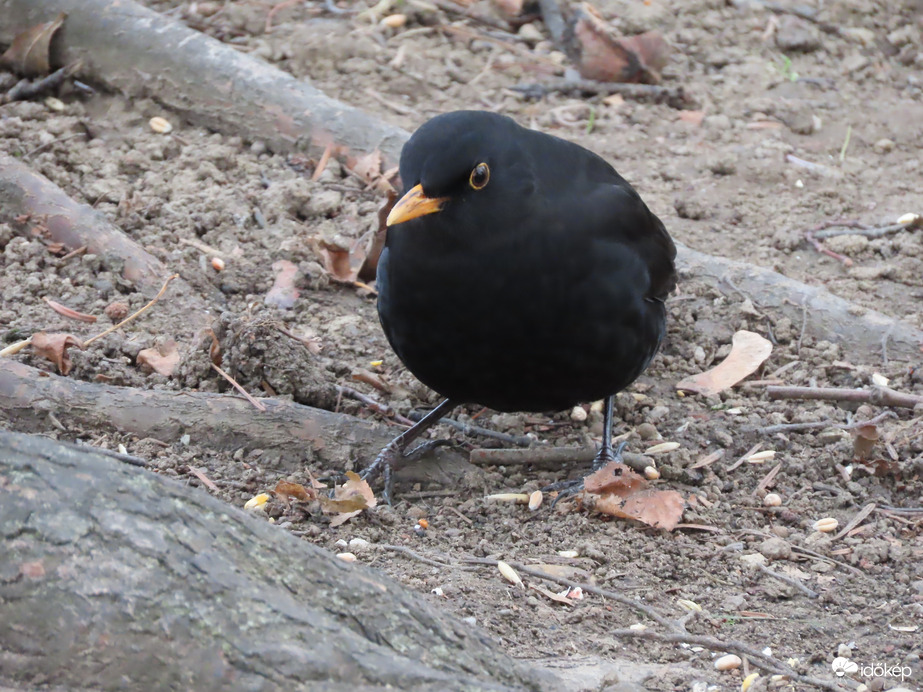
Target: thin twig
788	580
468	429
820	425
259	406
855	521
376	406
13	349
879	396
119	456
674	97
589	588
757	657
135	315
425	560
27	90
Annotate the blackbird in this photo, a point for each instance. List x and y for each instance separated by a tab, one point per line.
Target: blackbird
520	272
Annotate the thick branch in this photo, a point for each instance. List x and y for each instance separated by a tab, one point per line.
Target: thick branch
31	203
114	578
292	433
879	396
134	50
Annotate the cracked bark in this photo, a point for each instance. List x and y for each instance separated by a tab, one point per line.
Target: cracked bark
114	578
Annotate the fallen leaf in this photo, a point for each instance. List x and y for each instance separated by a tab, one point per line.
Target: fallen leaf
162	359
283	293
661	509
69	312
294	491
864	438
748	351
369	267
341	262
30	52
214	351
367	167
616	479
601	55
54	347
348	499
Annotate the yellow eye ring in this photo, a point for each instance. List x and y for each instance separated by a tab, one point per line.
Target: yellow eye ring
480	176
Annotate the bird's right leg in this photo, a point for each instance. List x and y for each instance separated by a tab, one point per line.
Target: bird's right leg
604	456
395	452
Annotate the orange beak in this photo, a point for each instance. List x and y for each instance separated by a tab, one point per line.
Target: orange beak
413	205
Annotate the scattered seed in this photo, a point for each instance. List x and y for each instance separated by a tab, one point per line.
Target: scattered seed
395	21
662	448
122	449
376	363
691	606
217	264
257	501
520	498
578	414
160	125
826	525
728	662
424	523
638	626
651	474
438	591
511	575
346	557
54	104
747	681
568	553
880	379
535	500
760	457
772	500
907	219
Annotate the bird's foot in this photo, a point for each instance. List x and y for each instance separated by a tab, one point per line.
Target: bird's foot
606	456
567	489
392	457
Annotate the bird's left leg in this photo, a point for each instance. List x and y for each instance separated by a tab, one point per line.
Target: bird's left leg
604	456
395	452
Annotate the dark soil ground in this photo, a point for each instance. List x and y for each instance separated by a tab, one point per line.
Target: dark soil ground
848	99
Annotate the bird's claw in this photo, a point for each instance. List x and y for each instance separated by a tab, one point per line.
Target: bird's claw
393	456
606	456
567	489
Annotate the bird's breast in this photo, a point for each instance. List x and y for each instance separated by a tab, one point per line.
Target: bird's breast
534	322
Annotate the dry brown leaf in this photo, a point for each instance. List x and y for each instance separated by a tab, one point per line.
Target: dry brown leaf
661	509
748	351
367	167
615	479
294	491
341	262
283	293
864	438
69	312
214	351
601	55
162	359
54	347
30	52
348	499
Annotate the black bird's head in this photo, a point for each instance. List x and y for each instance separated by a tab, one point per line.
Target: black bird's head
464	164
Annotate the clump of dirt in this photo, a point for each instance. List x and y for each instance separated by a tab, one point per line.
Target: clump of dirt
730	181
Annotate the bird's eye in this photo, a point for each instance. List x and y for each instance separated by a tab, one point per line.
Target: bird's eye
479	176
